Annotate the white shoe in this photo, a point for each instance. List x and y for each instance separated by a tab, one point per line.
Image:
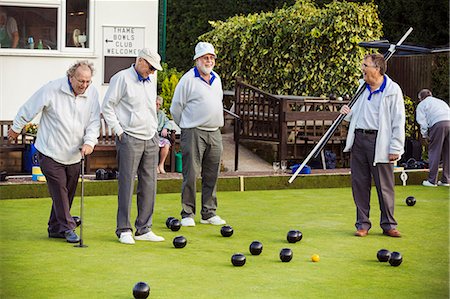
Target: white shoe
187	221
428	184
126	238
214	220
443	184
150	236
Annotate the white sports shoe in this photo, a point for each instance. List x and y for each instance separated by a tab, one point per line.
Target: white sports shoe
150	236
427	183
126	238
443	184
214	220
187	221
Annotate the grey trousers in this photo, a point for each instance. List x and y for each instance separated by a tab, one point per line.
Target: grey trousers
62	183
201	153
362	169
141	157
439	147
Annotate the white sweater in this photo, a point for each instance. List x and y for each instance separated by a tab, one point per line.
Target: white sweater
391	122
196	104
430	111
130	105
67	121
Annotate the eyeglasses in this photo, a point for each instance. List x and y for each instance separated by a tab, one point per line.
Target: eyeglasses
149	65
82	81
366	65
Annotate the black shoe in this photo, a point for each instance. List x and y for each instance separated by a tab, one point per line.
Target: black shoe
71	236
77	220
56	235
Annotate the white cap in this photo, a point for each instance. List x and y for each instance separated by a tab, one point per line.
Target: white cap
151	57
203	48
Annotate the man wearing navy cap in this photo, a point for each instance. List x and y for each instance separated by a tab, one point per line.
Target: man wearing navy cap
129	108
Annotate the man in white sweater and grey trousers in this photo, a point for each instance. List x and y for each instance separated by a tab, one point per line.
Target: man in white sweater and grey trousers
433	116
197	109
129	108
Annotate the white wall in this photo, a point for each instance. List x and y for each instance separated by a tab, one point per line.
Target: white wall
22	72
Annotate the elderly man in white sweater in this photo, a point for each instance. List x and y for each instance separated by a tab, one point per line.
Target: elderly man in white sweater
129	108
198	109
68	130
433	116
376	138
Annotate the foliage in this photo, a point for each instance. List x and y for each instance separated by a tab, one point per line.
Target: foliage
31	128
186	20
298	50
410	125
440	79
167	81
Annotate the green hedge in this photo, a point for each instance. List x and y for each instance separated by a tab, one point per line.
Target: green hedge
297	50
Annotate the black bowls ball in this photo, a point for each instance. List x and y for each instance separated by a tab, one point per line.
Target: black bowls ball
294	236
238	260
168	221
410	201
179	242
77	220
396	259
175	225
226	231
256	248
141	290
286	255
383	255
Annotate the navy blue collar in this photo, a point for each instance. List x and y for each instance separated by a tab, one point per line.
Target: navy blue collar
379	90
140	78
197	74
70	85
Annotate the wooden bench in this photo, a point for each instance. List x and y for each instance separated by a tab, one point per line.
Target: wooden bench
104	155
11	150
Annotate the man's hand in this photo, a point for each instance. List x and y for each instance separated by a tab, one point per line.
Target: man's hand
345	109
12	135
393	157
86	150
164	132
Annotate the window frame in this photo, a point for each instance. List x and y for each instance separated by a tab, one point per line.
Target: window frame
61	50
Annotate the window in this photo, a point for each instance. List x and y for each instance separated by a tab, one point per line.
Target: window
28	27
77	23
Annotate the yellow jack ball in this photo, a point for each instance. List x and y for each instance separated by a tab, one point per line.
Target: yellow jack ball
315	258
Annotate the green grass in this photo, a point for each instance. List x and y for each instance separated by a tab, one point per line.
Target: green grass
33	266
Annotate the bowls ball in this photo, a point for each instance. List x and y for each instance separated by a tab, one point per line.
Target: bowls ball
179	242
175	225
168	221
238	259
256	248
292	236
286	255
226	231
410	201
141	290
383	255
396	259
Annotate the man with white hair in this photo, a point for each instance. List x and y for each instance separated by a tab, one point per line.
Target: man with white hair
433	116
129	108
197	108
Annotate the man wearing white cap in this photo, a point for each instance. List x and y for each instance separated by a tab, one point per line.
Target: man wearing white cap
198	109
129	108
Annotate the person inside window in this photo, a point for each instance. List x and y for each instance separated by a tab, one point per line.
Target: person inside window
9	33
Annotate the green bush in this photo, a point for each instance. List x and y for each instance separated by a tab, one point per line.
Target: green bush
297	50
167	81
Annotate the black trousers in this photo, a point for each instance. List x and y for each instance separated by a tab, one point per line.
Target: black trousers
62	183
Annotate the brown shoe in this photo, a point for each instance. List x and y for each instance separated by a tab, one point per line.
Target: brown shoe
361	232
392	233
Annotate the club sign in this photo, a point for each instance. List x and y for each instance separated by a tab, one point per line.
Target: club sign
122	41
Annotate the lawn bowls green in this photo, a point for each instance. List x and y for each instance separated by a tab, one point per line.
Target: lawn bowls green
141	290
238	260
256	248
179	242
410	201
396	259
175	225
383	255
226	231
168	221
286	255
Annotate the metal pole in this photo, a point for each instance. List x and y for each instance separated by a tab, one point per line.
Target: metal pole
81	205
323	141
